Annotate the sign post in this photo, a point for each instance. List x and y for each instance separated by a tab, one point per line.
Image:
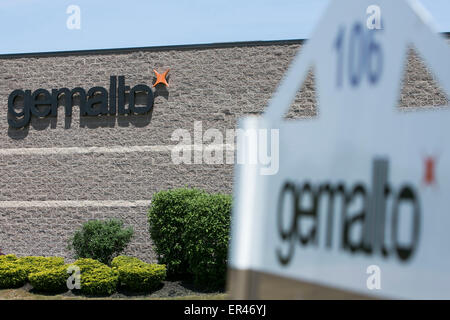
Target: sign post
360	204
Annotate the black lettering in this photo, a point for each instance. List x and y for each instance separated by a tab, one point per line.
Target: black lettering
358	190
68	96
149	105
112	95
306	191
331	192
97	95
288	235
121	96
22	118
97	101
405	252
384	248
35	103
378	203
371	215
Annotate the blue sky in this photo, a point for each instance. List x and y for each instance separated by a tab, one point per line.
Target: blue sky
40	25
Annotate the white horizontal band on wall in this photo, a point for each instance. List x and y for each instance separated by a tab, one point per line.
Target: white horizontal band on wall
113	149
74	203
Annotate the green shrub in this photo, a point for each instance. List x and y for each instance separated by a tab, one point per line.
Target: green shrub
167	220
190	229
100	240
206	237
138	276
12	274
34	264
53	279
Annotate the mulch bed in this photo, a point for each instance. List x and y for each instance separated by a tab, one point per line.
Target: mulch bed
168	289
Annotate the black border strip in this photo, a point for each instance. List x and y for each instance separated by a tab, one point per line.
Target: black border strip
200	46
156	48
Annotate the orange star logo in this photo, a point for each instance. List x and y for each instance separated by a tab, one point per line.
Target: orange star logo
161	77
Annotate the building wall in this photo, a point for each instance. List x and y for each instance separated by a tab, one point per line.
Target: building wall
59	172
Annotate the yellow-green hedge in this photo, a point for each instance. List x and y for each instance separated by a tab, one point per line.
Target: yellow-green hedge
8	257
138	276
97	279
124	260
12	274
50	280
101	281
34	264
87	264
49	274
14	271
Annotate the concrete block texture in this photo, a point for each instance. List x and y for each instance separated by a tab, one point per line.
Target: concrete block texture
50	159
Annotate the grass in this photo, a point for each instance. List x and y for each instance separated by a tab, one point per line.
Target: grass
22	294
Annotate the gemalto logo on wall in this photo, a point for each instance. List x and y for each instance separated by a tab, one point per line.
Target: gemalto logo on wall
96	101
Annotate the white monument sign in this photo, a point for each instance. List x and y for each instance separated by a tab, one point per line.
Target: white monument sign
361	200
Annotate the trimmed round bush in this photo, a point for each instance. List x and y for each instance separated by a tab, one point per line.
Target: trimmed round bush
87	264
206	237
33	264
12	274
14	271
138	276
99	281
167	220
53	279
101	240
125	260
